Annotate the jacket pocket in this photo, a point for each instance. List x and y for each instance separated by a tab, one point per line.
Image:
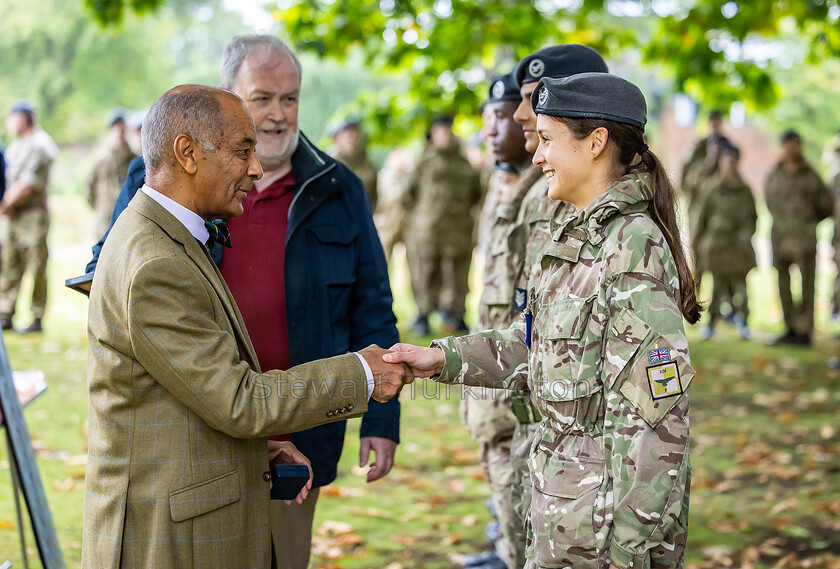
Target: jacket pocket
335	253
560	326
204	497
563	505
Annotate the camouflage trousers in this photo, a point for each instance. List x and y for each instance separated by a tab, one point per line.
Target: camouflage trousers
24	239
441	280
835	299
731	289
520	488
799	316
487	416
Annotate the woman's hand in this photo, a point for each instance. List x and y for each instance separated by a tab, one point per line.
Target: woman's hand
285	452
424	362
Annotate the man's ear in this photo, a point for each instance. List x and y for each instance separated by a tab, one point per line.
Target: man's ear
186	153
598	139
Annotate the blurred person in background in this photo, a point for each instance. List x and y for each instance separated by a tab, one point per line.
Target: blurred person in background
27	220
443	196
351	150
797	200
390	215
109	172
726	219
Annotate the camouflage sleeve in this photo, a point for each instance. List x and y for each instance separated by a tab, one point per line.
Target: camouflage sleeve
32	163
646	375
824	202
409	196
493	358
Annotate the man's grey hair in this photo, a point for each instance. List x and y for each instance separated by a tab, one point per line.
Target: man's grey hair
193	110
241	47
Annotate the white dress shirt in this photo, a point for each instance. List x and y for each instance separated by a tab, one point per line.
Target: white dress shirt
195	225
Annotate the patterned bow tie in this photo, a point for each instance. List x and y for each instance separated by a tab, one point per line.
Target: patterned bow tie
218	233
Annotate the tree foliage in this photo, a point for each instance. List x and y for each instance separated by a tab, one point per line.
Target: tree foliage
716	51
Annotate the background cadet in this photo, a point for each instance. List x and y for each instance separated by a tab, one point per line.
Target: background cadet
109	172
697	178
702	147
24	236
390	215
351	150
442	197
487	413
835	189
798	200
531	235
726	220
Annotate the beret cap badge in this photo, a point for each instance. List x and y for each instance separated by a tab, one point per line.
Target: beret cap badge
536	68
543	96
498	90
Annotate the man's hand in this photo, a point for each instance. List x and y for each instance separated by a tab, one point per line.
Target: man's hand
285	452
424	362
384	449
388	378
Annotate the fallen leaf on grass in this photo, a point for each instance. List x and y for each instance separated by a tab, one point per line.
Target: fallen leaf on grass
341	492
401	539
394	565
369	513
6	524
65	485
784	505
718	552
469	520
451	539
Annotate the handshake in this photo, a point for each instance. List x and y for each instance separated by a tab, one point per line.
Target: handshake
401	365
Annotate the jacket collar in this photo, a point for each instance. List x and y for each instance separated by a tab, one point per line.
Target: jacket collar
169	224
308	166
629	194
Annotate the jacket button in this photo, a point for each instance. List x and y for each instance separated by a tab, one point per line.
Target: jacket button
267	476
350	407
329	413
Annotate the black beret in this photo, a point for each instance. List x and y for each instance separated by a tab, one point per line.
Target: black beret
790	134
503	88
591	96
559	61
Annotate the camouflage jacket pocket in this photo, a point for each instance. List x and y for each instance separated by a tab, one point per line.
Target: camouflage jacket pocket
560	326
563	507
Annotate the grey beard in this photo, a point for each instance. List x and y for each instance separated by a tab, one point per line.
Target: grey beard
278	158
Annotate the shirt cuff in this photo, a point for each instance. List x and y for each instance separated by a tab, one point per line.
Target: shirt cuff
368	374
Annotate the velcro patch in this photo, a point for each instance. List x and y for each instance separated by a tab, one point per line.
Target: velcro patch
664	380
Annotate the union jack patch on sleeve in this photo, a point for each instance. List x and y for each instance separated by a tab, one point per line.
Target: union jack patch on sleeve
660	355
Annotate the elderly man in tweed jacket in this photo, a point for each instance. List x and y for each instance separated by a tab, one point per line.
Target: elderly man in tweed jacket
179	409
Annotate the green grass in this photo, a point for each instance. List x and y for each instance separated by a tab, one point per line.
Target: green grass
764	430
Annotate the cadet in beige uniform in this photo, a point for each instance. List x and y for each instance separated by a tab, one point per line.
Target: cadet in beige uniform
29	160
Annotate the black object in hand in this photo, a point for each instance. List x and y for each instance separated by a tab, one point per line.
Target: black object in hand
287	480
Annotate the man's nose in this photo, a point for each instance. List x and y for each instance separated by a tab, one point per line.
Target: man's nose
255	170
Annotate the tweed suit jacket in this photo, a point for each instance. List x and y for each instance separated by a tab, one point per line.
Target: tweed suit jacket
178	408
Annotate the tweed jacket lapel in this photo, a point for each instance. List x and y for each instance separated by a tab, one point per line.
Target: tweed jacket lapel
157	214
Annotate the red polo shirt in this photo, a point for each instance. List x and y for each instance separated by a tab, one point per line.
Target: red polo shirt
254	270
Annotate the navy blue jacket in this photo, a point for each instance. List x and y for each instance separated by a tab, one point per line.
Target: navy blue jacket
3	176
338	297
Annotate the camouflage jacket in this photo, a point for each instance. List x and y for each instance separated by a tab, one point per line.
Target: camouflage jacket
29	159
726	221
608	365
504	254
365	169
798	201
443	195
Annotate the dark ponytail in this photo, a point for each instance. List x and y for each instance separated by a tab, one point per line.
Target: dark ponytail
629	143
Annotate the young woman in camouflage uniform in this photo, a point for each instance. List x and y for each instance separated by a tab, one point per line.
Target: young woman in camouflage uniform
602	345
